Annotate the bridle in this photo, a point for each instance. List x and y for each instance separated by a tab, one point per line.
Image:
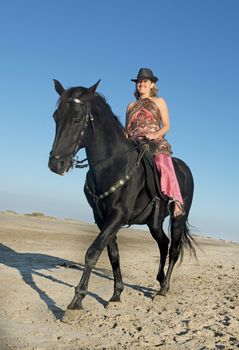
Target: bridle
74	162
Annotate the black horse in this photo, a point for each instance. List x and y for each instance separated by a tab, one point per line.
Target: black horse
116	186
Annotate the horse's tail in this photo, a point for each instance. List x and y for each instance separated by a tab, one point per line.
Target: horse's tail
188	242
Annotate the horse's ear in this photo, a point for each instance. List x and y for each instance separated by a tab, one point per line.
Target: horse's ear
58	87
93	88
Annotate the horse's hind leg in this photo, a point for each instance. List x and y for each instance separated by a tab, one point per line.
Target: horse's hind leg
163	242
113	254
177	231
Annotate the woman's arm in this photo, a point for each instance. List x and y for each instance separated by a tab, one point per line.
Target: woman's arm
163	108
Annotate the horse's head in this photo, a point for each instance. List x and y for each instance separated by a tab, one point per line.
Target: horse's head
72	118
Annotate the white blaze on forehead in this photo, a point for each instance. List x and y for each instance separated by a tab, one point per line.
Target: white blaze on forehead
76	100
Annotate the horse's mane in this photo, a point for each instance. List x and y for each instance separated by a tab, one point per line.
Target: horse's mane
101	98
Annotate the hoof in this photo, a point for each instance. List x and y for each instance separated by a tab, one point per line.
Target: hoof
163	293
72	315
159	294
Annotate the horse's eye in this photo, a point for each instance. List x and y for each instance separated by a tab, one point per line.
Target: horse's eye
77	121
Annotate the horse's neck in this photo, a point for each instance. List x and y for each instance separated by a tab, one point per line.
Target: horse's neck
107	142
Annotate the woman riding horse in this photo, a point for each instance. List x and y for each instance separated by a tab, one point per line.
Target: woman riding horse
148	118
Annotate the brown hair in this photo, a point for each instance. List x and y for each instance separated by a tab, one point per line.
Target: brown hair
153	92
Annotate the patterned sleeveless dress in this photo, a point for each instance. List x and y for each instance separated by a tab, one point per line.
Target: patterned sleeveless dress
143	118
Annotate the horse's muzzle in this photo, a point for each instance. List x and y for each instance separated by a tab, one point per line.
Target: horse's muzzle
59	165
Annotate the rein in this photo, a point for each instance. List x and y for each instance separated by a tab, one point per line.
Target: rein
77	163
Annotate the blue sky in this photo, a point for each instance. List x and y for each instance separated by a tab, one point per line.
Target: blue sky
191	45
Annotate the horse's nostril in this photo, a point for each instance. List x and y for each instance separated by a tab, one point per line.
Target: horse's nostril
62	163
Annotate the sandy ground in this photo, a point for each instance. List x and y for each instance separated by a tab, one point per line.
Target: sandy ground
200	312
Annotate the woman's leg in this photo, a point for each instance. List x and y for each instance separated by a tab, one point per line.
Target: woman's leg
169	182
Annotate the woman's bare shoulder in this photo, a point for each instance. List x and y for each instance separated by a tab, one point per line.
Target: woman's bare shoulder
160	101
130	105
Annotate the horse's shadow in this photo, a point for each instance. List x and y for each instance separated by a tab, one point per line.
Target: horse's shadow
30	264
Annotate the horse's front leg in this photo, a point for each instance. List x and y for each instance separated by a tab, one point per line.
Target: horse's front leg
93	253
113	254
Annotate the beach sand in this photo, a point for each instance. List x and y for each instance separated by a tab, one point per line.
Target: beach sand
41	260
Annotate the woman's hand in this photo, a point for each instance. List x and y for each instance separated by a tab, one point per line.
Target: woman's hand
153	135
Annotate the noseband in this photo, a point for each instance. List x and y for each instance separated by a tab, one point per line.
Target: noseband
74	162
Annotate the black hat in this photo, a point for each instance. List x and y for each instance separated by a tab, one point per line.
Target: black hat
145	73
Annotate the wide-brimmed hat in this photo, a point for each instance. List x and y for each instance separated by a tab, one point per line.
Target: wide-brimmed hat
145	73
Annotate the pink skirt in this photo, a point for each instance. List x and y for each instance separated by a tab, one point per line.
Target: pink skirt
168	179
